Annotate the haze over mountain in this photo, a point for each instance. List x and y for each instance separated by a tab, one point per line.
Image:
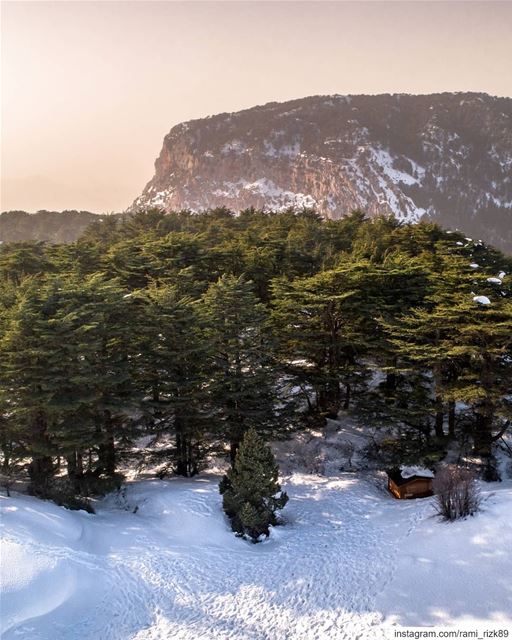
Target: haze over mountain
445	156
45	226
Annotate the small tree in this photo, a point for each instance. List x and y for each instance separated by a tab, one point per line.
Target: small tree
251	492
457	493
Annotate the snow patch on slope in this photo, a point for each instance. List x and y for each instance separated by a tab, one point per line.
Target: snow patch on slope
385	161
389	181
286	150
273	196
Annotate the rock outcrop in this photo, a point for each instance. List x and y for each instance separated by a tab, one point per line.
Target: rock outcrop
445	156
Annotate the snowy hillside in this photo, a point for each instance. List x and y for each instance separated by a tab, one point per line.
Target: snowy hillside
444	156
160	562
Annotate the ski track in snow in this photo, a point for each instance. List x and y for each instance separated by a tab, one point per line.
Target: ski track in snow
175	570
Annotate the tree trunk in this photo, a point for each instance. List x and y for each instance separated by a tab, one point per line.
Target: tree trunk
192	462
305	393
348	390
391	382
106	450
181	449
186	463
6	454
181	461
390	386
40	469
233	448
451	419
482	435
329	398
71	467
438	426
75	470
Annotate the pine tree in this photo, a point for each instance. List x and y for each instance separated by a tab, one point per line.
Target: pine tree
11	447
171	372
326	325
250	490
30	356
66	366
21	259
483	338
243	380
466	346
425	339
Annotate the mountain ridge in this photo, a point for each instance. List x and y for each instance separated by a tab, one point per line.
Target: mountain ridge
446	156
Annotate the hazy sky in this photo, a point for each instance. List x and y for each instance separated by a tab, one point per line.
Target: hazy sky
89	89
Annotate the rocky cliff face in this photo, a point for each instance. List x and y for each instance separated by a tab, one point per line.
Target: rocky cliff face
445	156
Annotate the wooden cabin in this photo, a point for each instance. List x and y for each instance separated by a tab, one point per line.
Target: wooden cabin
405	485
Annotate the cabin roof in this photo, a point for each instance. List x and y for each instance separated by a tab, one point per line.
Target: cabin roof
399	480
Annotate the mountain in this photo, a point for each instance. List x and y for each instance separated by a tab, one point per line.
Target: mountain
444	156
47	226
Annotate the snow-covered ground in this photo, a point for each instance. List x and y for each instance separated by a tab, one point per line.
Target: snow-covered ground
349	559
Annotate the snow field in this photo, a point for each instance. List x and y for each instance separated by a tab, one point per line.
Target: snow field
349	558
456	573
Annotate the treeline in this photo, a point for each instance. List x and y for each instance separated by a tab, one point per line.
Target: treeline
47	226
196	328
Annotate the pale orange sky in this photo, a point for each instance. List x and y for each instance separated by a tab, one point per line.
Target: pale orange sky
89	89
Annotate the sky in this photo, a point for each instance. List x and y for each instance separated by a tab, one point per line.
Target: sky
89	89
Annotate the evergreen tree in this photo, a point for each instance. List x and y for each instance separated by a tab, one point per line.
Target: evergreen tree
65	366
30	356
172	373
251	493
11	446
321	341
21	259
466	346
483	338
243	381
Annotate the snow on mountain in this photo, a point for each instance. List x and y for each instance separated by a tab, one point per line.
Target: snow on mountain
350	560
443	156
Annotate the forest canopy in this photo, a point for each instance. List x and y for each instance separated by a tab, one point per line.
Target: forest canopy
198	328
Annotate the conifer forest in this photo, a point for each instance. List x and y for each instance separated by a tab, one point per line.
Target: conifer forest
194	329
